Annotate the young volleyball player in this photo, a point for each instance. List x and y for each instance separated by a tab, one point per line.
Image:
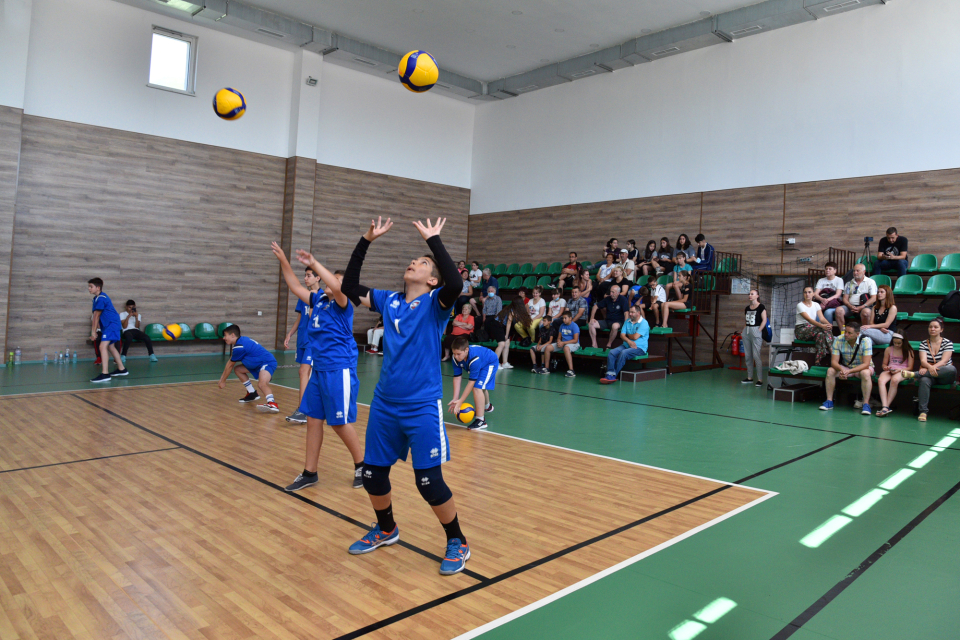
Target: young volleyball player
481	365
248	358
303	358
407	408
107	320
331	394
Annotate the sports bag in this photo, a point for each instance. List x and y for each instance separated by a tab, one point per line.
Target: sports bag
950	306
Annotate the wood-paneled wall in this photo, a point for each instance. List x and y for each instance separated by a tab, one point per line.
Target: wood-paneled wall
182	228
346	200
10	123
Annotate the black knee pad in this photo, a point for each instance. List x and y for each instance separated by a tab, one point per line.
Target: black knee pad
432	487
376	480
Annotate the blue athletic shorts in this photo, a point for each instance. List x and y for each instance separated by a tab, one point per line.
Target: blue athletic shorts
332	396
258	367
487	378
303	356
392	429
110	333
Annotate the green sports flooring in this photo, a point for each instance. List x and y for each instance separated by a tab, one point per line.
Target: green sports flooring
890	572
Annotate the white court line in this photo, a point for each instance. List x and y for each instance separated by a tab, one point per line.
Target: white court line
606	572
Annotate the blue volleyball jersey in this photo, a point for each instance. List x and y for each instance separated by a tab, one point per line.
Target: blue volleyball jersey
331	341
108	315
302	309
411	346
251	354
477	361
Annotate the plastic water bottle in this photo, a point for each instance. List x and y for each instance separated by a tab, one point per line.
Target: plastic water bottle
17	356
45	359
74	355
60	356
67	356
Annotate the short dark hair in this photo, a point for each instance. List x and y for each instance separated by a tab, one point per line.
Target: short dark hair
97	282
339	272
233	330
700	237
574	254
435	272
566	314
891	230
130	303
460	343
651	279
855	326
310	269
831	264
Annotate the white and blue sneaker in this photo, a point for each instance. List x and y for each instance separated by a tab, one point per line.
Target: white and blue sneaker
456	557
827	405
866	409
375	538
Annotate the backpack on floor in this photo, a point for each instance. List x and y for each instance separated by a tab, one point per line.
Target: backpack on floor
767	332
950	306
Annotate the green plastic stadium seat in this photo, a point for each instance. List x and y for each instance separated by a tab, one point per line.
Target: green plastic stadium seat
515	283
586	264
727	265
923	317
882	280
665	279
488	266
659	330
925	263
507	303
502	281
709	283
951	263
816	372
541	269
868	261
940	285
526	269
500	270
513	269
205	331
555	269
903	315
186	332
908	285
915	345
530	282
222	326
544	281
154	331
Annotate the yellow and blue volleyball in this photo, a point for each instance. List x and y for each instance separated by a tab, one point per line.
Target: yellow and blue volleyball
466	413
229	104
418	71
172	332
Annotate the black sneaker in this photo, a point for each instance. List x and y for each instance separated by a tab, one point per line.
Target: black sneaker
250	397
302	482
103	377
544	371
488	409
746	381
570	374
358	478
477	424
119	372
759	383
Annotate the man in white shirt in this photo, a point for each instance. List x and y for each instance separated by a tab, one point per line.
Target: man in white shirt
130	324
859	295
628	265
821	293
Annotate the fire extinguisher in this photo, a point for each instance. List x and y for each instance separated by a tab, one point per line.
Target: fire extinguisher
736	345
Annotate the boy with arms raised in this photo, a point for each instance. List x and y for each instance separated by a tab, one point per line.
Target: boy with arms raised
108	320
481	365
407	408
312	281
331	394
253	360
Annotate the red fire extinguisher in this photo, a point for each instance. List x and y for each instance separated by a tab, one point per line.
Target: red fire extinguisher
736	348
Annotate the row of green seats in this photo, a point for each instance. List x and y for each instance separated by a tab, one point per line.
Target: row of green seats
202	331
922	263
912	285
519	281
525	269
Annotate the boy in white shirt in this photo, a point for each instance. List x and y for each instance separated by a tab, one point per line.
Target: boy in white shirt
556	308
130	325
821	293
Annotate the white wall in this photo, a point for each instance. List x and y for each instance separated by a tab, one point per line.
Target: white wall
14	46
869	92
373	124
89	61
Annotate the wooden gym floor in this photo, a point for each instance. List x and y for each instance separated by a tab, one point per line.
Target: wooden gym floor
158	512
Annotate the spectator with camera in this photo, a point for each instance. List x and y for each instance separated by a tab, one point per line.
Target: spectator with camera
130	320
891	253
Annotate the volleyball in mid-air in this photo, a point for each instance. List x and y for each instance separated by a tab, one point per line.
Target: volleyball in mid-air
172	332
229	104
418	71
466	413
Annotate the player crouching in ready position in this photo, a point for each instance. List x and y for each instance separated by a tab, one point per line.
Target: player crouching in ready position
481	365
331	393
407	410
247	359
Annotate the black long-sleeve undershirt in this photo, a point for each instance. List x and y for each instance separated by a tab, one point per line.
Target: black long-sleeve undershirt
351	286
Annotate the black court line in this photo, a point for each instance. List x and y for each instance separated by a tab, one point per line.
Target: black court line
559	554
264	481
58	464
872	559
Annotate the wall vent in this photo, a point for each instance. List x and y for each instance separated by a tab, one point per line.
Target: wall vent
582	74
664	52
270	33
842	5
529	87
366	62
742	32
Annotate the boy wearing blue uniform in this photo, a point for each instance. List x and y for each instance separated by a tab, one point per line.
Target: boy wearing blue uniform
407	408
249	359
481	365
331	393
106	318
312	282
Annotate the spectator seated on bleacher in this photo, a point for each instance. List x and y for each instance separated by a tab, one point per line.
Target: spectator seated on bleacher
664	260
828	292
632	252
578	307
616	278
606	270
476	275
488	282
684	247
537	308
884	322
852	357
705	254
570	273
568	342
646	262
897	358
859	295
891	254
463	325
556	308
936	365
614	308
812	326
635	334
545	339
466	292
495	322
586	286
611	248
682	290
130	320
628	266
521	321
375	335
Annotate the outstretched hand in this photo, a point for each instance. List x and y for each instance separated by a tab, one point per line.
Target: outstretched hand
377	229
429	230
454	406
305	257
277	251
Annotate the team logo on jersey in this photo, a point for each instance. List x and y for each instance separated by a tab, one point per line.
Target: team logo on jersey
434	452
395	304
414	304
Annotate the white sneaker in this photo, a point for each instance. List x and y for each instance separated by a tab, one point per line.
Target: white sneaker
506	365
858	404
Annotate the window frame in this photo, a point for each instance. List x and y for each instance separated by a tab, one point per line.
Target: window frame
191	89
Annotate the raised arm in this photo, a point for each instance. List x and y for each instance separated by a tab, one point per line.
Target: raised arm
452	281
329	279
351	287
289	276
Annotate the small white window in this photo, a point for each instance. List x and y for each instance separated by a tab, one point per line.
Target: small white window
173	61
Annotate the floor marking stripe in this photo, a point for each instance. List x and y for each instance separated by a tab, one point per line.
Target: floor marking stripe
118	455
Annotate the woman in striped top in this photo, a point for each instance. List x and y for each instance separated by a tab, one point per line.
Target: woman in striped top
936	365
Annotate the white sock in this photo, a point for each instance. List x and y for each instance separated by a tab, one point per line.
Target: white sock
248	386
269	397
